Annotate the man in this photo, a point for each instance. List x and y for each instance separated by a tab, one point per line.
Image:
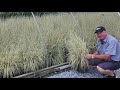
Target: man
107	55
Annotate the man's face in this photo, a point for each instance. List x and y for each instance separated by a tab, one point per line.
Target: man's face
101	35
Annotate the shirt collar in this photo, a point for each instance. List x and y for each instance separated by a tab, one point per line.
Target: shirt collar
105	40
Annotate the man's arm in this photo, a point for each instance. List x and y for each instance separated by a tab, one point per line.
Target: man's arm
103	57
96	53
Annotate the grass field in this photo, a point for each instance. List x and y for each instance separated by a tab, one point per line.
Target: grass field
22	49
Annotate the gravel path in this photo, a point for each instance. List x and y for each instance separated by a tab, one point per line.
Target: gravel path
91	73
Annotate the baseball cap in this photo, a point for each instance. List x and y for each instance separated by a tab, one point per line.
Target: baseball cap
100	29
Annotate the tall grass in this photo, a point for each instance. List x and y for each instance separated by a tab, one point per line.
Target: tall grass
21	50
56	34
77	49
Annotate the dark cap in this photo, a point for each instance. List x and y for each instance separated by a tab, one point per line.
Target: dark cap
100	29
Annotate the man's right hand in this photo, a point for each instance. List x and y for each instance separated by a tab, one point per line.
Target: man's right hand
88	56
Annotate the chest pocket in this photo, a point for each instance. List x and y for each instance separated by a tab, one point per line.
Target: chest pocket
102	48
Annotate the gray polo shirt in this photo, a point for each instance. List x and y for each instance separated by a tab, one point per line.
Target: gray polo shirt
109	45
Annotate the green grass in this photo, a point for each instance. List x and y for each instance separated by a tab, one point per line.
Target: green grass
77	50
21	46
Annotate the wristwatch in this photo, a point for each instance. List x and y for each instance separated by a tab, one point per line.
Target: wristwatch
92	56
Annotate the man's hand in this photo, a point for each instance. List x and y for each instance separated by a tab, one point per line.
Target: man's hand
88	56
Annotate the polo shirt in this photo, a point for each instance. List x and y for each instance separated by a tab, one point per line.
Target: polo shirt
109	45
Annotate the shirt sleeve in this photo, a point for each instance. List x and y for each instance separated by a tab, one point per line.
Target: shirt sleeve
111	48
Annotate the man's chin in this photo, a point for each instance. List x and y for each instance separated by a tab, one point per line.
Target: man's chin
101	38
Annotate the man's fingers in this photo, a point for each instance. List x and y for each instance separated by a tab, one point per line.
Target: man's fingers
86	56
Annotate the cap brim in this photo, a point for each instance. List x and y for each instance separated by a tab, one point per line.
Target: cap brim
97	32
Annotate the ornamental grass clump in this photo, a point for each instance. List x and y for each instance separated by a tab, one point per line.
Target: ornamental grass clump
77	50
